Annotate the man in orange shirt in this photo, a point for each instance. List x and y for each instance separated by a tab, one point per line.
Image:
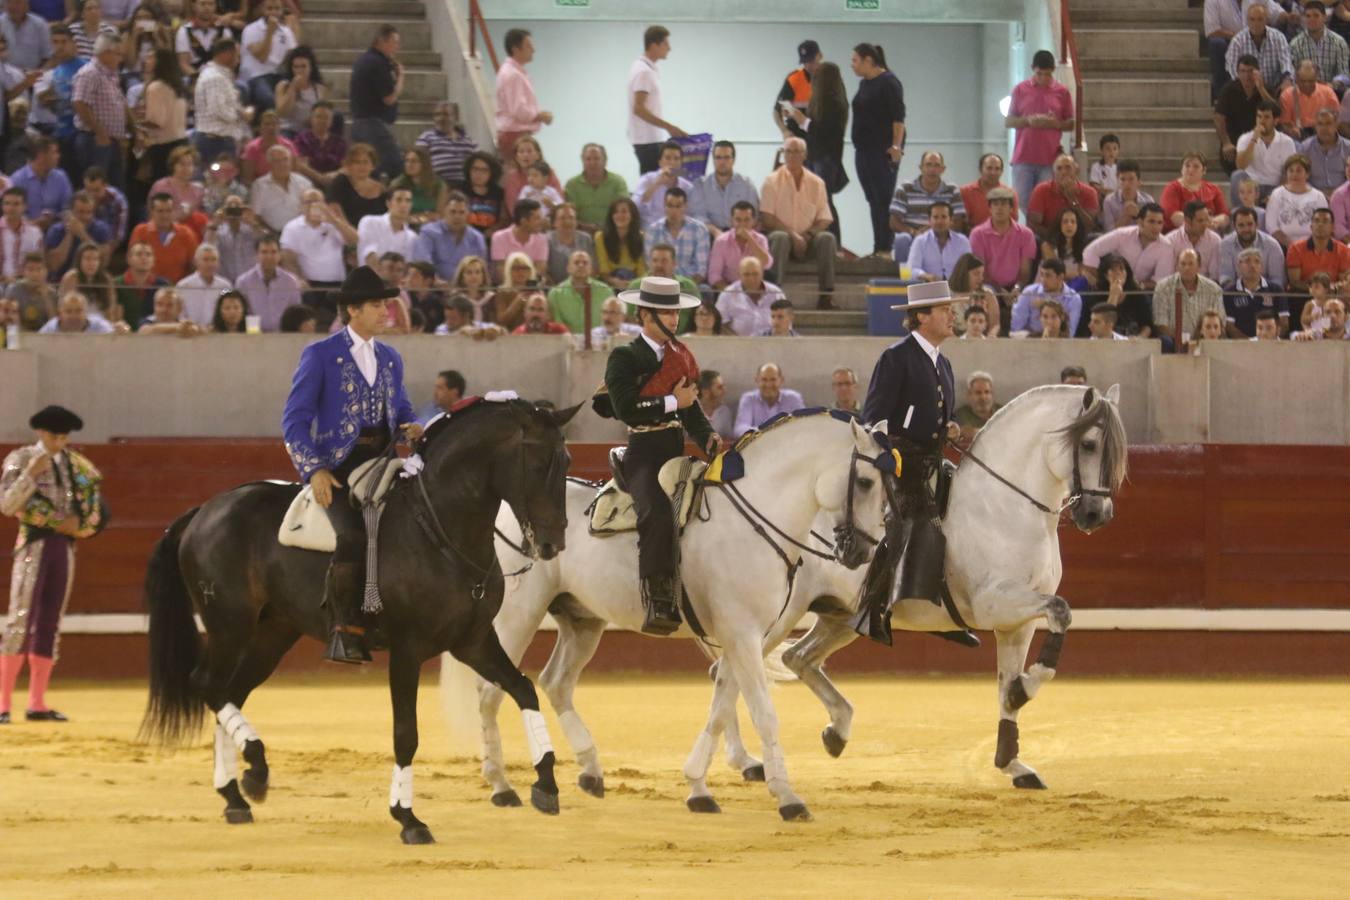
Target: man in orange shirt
795	211
1319	253
174	243
1303	100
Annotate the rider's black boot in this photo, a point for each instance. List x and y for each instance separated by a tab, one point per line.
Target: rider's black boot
342	595
663	611
873	618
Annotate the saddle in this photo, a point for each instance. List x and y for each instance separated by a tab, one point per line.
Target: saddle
612	511
305	525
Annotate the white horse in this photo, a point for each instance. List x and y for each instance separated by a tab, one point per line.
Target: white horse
1049	449
736	559
1002	563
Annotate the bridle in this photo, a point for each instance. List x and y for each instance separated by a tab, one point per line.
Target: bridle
426	517
1076	491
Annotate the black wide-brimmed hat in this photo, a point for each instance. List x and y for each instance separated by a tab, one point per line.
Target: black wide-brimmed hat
363	286
56	419
656	292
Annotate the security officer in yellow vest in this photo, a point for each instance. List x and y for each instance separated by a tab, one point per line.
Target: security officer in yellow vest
914	391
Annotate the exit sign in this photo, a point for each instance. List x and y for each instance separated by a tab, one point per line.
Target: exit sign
859	5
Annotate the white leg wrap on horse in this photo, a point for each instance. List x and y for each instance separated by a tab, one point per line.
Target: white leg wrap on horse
576	732
401	787
700	758
227	764
536	735
236	726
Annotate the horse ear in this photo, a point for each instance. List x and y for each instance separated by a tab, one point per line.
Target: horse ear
1113	394
862	437
1088	397
562	416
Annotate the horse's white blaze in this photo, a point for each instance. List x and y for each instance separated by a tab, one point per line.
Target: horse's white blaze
236	726
401	787
227	762
536	735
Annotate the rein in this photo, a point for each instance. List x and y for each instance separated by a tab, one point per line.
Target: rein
1076	493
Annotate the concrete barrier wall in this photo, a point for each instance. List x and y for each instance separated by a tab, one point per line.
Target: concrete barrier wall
132	386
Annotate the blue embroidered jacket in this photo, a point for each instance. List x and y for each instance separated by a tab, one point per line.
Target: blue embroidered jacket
330	402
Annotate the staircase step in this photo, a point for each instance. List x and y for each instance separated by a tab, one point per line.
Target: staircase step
1104	92
418	84
1145	19
1096	115
391	8
1101	66
346	31
341	58
1165	142
836	322
1152	44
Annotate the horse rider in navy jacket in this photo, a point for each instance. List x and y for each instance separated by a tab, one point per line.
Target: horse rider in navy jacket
346	404
914	391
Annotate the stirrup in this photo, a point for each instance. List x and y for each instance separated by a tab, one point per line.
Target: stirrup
347	644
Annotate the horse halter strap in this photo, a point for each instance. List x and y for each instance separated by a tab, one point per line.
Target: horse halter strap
1077	491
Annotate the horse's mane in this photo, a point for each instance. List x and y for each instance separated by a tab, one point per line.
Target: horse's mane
442	423
1101	414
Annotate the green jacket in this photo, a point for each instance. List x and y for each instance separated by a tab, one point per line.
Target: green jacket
629	367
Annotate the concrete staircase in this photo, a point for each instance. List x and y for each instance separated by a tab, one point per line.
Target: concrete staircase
341	30
850	295
1145	80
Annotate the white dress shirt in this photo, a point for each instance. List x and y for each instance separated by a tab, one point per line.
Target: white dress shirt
927	347
376	234
363	351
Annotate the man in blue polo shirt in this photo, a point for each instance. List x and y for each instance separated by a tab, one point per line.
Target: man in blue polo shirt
44	184
445	242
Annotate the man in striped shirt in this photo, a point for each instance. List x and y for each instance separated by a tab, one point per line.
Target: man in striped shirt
447	143
101	111
913	200
1268	46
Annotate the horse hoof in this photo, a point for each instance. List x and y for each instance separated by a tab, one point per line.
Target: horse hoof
1030	781
417	834
795	812
545	803
254	788
506	799
702	805
235	816
834	742
753	773
1017	694
592	784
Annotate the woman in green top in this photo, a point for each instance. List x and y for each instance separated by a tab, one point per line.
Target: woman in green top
429	192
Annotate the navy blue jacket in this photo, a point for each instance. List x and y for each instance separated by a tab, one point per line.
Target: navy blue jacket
916	399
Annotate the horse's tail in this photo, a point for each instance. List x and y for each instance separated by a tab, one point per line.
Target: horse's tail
774	667
174	713
459	702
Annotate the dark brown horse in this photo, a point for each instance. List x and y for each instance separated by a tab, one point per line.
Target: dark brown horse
439	579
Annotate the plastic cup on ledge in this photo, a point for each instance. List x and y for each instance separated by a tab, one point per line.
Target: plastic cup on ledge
253	324
906	273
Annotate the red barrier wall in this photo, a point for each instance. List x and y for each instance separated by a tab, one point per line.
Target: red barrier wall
1197	526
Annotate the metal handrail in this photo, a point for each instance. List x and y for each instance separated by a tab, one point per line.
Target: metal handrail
1068	53
476	23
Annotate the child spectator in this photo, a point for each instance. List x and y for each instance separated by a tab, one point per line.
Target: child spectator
35	297
537	187
1102	173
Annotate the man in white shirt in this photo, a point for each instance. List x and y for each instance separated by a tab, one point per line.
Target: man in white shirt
745	305
276	197
518	112
266	40
221	123
650	193
202	288
196	36
647	131
612	325
312	243
389	233
1261	152
17	236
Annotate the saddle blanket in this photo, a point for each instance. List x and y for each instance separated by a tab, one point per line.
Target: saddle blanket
305	525
613	511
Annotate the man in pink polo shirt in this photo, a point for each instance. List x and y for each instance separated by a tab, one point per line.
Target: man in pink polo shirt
526	235
1040	111
1150	257
1006	247
736	243
518	111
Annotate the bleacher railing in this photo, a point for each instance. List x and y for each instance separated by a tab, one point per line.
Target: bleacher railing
478	23
1068	54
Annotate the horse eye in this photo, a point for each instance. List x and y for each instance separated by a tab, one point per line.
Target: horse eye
1090	446
865	484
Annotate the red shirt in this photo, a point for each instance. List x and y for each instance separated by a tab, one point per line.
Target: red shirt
1334	260
976	203
173	250
1048	200
549	328
1175	197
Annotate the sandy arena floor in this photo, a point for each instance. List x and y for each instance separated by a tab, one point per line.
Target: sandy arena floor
1157	789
